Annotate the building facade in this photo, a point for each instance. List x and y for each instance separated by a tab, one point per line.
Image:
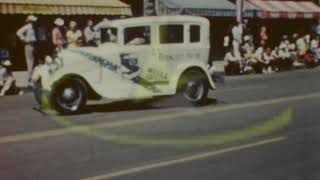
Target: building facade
13	14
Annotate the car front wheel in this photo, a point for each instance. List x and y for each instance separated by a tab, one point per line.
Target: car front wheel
69	96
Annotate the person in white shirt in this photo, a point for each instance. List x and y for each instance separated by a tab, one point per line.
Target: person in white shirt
301	48
27	35
293	49
7	80
258	64
248	45
270	61
237	34
284	41
97	29
248	50
275	56
314	47
89	34
232	63
284	58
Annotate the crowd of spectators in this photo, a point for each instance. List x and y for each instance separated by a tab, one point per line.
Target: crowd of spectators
41	44
244	54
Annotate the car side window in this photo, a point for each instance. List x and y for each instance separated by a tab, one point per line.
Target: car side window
135	36
195	33
171	34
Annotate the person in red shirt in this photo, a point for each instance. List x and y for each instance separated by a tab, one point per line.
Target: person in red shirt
263	36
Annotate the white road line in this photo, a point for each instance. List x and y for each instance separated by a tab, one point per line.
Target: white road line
162	117
187	159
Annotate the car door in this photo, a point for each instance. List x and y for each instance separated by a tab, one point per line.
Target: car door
136	60
170	51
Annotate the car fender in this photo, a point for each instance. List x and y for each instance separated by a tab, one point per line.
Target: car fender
188	66
85	69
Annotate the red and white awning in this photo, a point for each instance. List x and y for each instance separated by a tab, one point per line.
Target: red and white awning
286	9
65	7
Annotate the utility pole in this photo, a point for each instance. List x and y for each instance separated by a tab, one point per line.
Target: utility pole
239	10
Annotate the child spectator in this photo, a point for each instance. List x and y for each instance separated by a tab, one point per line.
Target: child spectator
7	81
301	48
258	64
314	48
294	56
284	42
232	63
309	59
248	45
269	61
284	57
275	56
226	43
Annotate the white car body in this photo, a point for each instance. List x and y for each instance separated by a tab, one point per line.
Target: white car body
119	71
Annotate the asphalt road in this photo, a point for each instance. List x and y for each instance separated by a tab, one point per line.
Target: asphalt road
253	128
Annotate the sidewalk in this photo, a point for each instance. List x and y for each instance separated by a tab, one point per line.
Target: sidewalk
22	76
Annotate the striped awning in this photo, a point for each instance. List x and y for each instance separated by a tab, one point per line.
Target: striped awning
65	7
210	8
286	9
216	8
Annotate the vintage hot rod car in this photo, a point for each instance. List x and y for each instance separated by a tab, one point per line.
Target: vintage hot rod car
137	58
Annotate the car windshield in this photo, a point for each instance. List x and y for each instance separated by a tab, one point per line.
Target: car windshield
109	35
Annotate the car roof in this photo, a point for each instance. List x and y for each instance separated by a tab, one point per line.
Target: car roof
158	19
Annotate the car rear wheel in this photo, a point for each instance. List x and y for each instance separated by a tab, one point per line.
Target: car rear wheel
69	96
193	86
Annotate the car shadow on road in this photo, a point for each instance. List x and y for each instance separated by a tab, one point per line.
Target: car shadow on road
129	105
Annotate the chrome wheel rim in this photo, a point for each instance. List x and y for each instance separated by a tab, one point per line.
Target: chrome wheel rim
194	91
70	97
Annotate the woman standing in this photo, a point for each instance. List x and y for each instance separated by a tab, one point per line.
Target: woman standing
263	36
74	35
58	38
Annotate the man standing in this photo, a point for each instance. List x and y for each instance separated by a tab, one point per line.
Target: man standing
28	36
237	33
89	34
97	29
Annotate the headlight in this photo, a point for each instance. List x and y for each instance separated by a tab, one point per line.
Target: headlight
54	64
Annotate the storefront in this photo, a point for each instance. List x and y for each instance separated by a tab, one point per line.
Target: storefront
221	14
285	17
14	12
281	17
